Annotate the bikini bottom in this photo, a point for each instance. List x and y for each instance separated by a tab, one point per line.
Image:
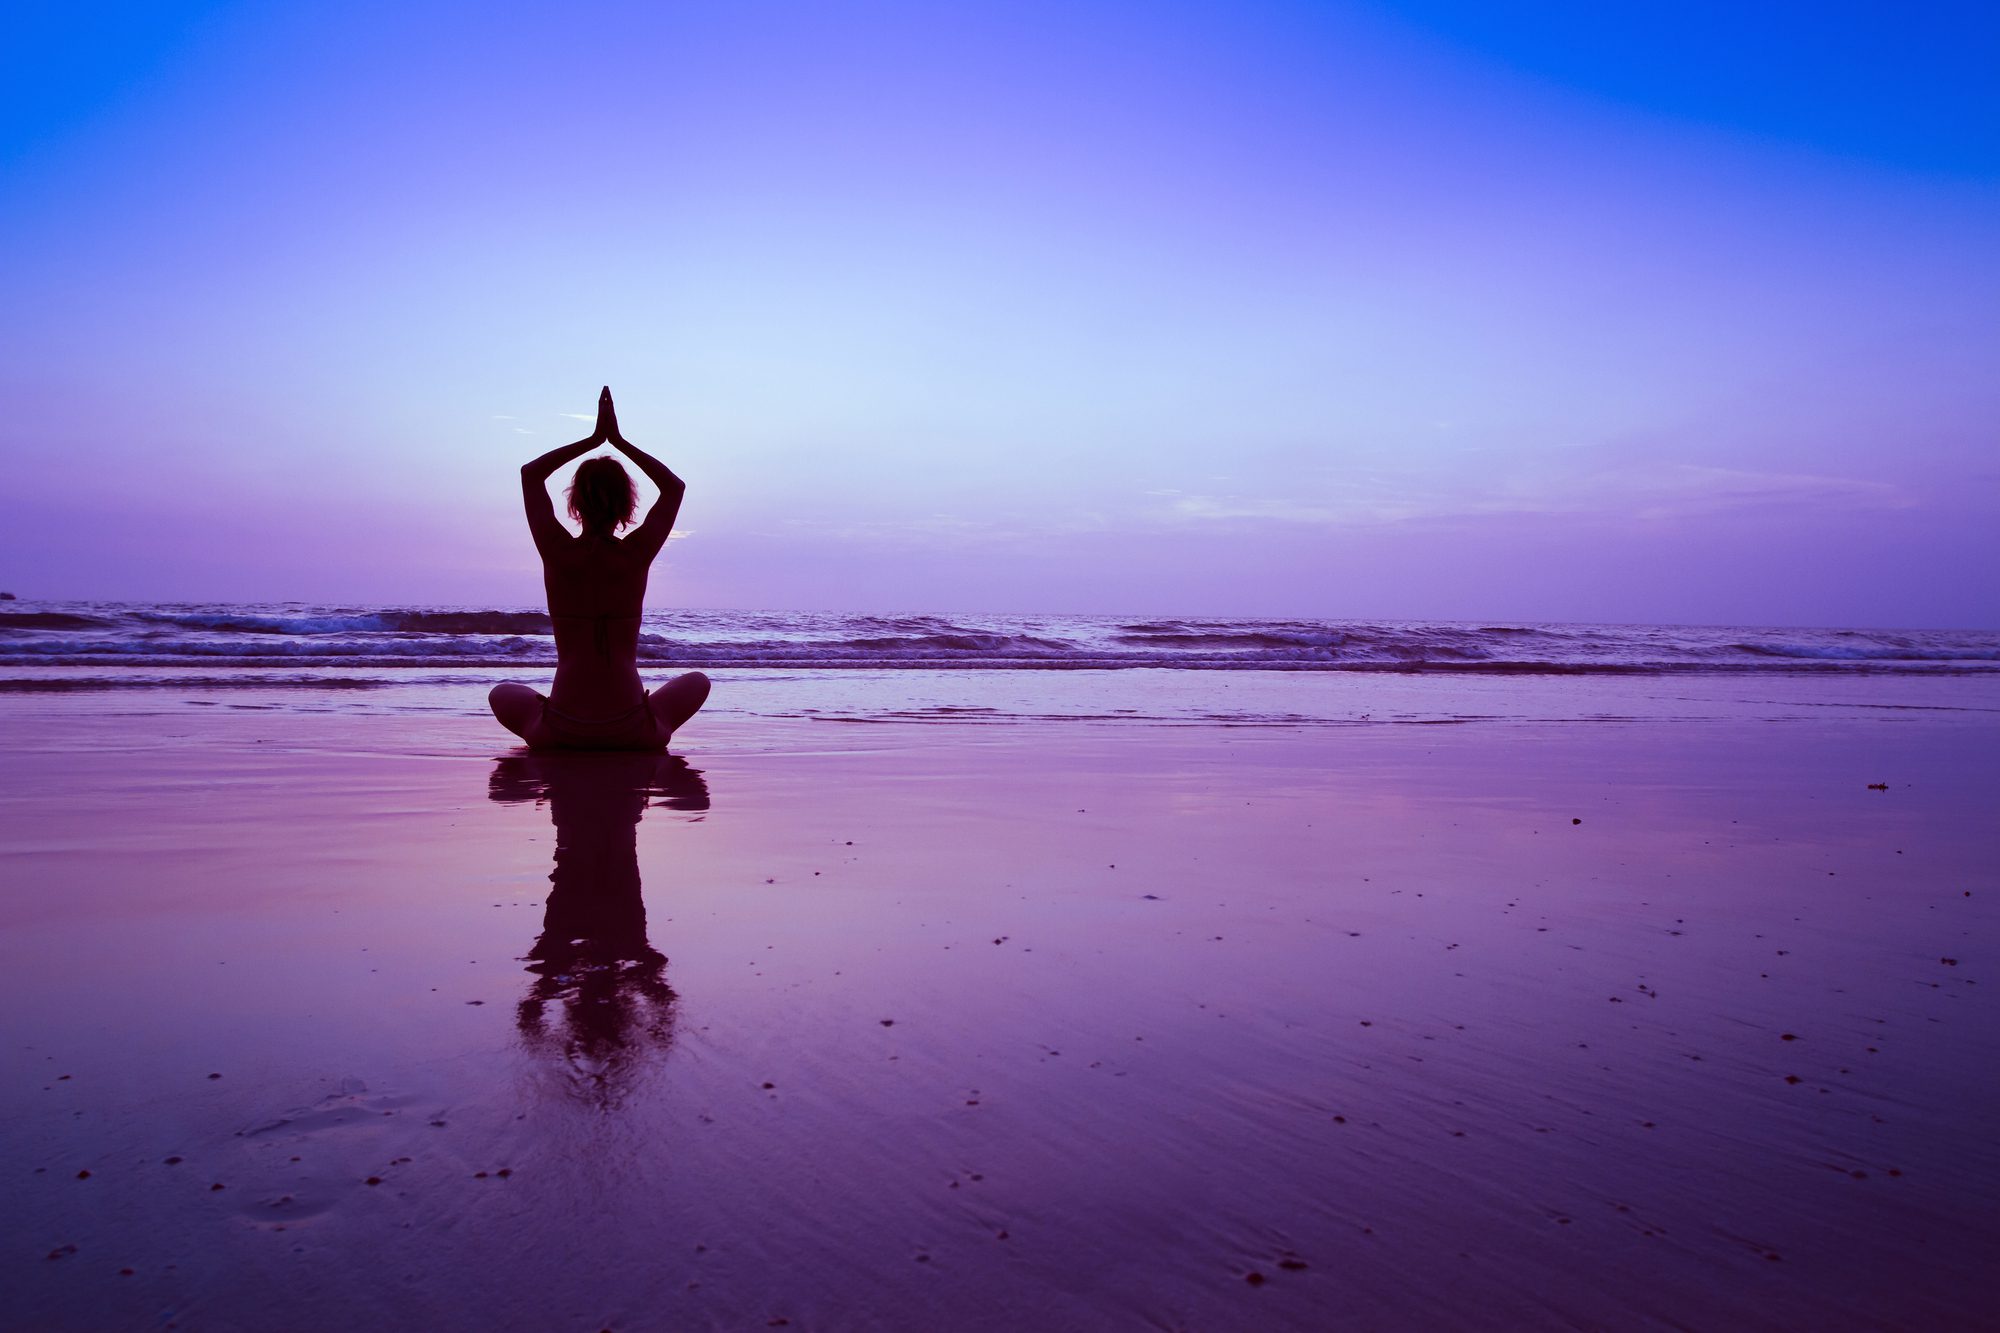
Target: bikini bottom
633	729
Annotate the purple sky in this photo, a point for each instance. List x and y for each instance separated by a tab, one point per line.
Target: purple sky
1259	308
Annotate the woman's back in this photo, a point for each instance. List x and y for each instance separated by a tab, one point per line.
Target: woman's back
596	586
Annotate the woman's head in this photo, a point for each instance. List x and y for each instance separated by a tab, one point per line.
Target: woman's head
601	495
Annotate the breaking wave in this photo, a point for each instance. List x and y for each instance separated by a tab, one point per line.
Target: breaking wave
276	634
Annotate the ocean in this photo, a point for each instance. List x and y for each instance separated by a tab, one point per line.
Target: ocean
167	638
433	665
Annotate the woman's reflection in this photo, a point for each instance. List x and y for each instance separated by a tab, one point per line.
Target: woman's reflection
592	962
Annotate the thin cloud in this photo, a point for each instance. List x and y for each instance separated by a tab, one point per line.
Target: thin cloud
1643	492
1728	487
1680	490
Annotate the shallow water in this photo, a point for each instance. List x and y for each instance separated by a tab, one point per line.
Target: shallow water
964	697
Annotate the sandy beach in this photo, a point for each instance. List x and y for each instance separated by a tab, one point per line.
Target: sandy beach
1059	1024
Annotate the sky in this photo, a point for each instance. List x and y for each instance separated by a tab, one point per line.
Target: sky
1543	311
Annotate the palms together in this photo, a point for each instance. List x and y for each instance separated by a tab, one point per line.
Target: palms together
607	420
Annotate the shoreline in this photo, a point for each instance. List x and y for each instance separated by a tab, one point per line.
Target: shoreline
447	704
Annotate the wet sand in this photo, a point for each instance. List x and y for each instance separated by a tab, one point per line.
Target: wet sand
1045	1025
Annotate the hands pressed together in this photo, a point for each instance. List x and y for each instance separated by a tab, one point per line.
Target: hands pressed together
606	431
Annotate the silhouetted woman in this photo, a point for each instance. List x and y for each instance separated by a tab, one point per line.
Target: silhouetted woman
596	584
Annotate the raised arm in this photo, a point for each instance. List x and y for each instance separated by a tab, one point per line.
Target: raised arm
651	535
542	522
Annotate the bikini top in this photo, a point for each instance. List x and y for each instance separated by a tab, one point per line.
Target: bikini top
600	631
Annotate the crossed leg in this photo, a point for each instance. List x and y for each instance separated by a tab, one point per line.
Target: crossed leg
674	702
517	707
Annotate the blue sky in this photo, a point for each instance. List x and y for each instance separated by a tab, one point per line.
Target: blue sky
1559	312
